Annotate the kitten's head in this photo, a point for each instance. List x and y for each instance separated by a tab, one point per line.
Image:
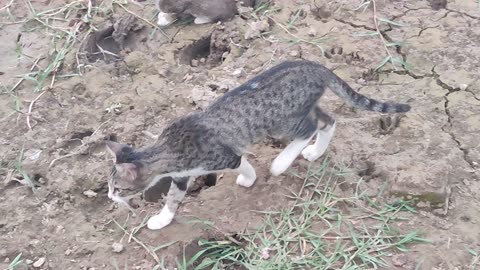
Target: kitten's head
129	175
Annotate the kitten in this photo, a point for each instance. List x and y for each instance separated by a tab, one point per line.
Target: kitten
281	103
204	11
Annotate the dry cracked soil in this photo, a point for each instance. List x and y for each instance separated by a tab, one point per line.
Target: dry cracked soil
140	79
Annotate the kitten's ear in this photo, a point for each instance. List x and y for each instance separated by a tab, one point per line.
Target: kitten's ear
128	170
116	149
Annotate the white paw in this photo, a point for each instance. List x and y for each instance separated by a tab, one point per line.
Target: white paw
279	166
312	153
202	20
161	220
165	18
245	182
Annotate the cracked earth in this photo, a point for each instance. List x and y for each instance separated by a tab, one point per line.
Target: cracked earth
431	154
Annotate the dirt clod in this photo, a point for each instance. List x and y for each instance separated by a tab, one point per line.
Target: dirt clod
257	28
90	193
117	247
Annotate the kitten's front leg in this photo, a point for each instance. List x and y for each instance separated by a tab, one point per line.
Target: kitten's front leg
175	196
247	175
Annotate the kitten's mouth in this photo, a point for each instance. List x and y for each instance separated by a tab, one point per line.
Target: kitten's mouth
115	196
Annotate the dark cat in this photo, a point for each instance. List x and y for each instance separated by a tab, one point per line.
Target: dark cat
281	102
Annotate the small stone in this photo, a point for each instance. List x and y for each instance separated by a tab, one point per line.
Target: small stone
463	86
294	53
38	263
237	73
399	260
194	63
117	247
68	252
28	261
7	260
312	32
90	193
203	60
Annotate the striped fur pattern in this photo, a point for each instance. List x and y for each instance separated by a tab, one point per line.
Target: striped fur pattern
282	102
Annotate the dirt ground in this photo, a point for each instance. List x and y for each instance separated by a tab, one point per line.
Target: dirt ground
431	153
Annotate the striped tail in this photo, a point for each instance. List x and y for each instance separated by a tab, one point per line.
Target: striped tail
344	91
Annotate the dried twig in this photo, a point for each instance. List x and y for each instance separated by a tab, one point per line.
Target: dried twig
31	107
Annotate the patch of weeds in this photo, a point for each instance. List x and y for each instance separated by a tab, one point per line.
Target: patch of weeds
27	181
322	230
387	44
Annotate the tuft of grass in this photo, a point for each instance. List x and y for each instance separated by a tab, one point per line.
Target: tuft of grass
18	168
322	230
16	262
475	262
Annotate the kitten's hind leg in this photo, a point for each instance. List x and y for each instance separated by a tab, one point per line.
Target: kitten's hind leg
202	20
175	196
166	18
323	138
247	175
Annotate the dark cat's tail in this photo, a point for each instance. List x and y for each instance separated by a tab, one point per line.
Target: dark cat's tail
343	90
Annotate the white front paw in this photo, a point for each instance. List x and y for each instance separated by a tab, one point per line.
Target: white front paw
278	167
165	19
245	182
161	220
311	153
202	20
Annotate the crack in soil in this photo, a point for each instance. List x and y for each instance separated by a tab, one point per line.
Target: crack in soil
463	13
452	135
355	25
433	74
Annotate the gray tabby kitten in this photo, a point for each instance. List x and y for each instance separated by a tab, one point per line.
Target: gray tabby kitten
281	102
204	11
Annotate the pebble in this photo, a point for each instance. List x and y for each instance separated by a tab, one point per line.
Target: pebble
90	193
312	32
68	252
194	63
28	261
463	86
117	247
38	263
237	73
294	53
